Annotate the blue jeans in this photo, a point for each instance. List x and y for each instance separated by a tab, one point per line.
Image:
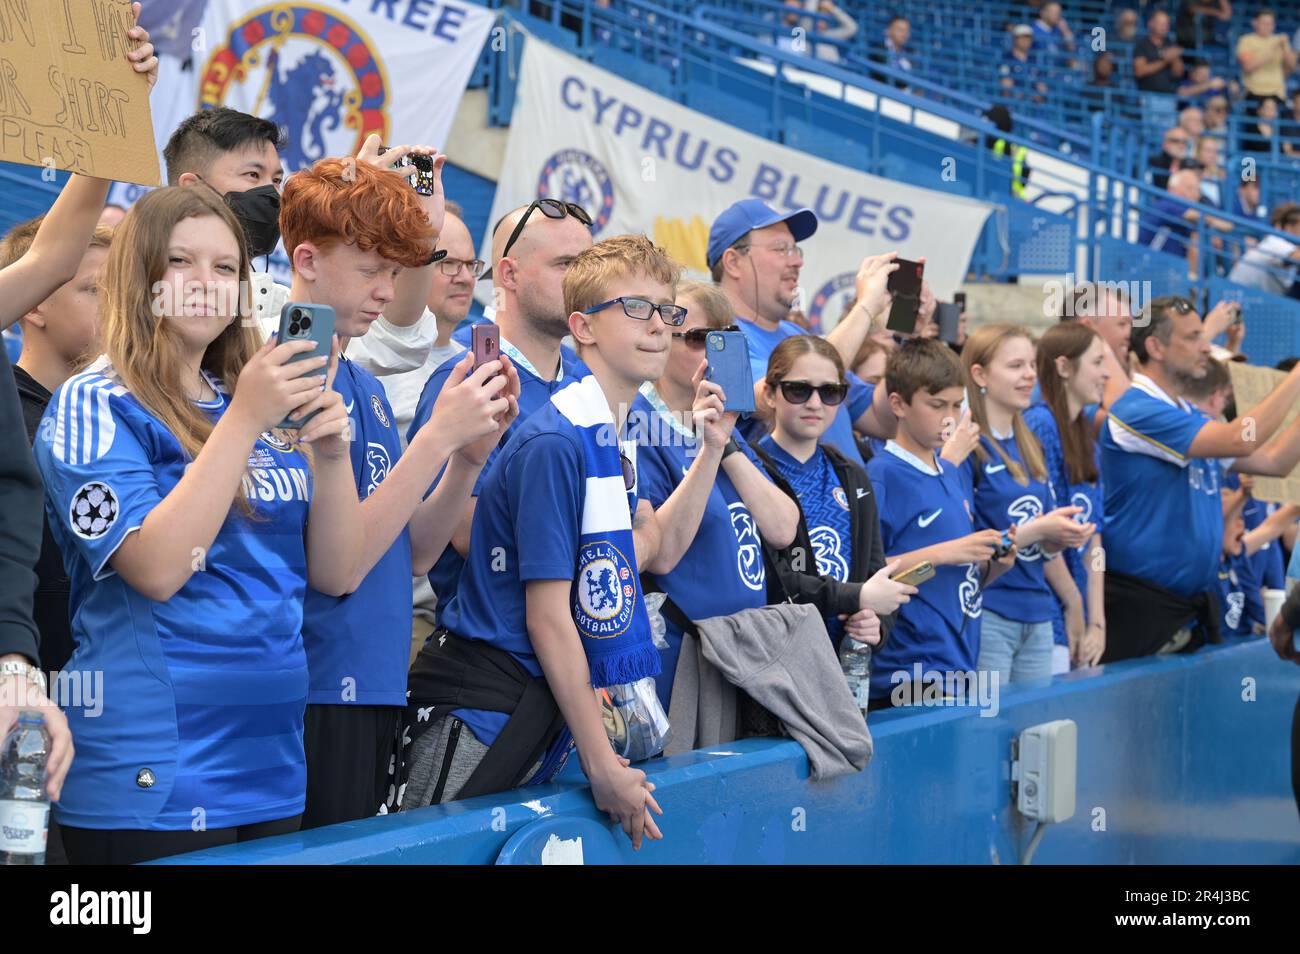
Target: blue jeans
1016	651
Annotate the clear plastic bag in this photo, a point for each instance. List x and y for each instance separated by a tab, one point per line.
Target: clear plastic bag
635	720
658	629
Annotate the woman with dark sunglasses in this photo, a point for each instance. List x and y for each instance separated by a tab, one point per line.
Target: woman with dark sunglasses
837	561
723	571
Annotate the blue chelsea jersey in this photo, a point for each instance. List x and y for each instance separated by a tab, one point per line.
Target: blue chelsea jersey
1088	497
1232	582
825	507
202	695
359	645
1021	593
922	503
722	572
534	393
1164	516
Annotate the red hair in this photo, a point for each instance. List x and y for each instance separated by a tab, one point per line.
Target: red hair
345	201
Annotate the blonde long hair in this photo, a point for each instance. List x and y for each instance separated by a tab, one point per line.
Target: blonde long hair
980	348
142	345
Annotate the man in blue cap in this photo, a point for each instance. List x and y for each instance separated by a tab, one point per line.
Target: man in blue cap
755	259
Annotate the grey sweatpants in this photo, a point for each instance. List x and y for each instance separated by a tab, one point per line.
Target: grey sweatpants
429	763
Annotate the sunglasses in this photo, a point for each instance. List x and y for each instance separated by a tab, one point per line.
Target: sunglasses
696	337
629	472
642	309
552	209
798	392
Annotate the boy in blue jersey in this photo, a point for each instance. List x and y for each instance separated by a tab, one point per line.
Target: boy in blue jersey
1161	471
754	259
549	604
352	229
925	515
527	285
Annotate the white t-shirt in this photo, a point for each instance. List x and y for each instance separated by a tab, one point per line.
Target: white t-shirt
1267	266
404	358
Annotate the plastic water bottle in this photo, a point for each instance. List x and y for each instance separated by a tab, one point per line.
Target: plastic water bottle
855	660
24	805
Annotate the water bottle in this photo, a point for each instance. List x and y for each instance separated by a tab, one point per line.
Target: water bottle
24	805
855	660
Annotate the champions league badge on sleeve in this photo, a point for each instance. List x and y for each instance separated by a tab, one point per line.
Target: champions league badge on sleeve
575	176
309	70
94	509
604	593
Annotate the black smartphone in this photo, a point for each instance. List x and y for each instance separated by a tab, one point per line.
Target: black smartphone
949	318
301	321
423	166
905	283
959	299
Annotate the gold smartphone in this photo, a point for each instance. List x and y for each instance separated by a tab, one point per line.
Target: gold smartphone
917	574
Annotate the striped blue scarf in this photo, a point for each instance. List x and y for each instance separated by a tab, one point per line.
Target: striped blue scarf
608	605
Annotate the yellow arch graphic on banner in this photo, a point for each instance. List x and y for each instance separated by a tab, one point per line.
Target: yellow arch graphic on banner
688	242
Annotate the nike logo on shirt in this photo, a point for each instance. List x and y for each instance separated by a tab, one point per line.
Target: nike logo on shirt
350	405
862	492
926	521
994	468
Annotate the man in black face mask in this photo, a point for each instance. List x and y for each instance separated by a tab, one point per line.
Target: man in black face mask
237	156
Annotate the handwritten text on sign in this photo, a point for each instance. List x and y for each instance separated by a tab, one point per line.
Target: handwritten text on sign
69	98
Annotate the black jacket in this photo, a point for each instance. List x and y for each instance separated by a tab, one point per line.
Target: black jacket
797	568
21	505
53	588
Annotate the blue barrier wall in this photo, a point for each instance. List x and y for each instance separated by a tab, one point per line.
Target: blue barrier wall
1181	760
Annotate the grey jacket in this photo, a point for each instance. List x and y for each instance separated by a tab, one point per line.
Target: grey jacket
782	658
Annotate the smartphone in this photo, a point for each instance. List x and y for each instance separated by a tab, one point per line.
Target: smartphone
917	574
905	283
300	321
423	166
1004	545
959	299
949	318
485	342
728	354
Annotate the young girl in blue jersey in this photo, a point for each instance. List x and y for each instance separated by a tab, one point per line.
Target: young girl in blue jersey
838	550
1011	491
190	527
723	571
925	516
1072	375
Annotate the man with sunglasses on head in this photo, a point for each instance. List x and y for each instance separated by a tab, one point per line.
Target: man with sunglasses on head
1162	467
755	259
532	248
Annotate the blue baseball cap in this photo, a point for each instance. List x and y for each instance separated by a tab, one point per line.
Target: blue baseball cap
741	218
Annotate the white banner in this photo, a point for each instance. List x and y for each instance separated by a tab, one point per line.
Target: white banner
330	72
641	163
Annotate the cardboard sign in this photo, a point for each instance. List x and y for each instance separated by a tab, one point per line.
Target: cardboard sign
69	98
1250	385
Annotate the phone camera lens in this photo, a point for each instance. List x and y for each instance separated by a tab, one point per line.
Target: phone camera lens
294	328
295	315
306	323
715	342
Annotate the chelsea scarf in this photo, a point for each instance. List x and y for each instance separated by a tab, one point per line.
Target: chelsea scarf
608	607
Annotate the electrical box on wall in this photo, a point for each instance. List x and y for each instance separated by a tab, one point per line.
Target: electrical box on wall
1044	770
